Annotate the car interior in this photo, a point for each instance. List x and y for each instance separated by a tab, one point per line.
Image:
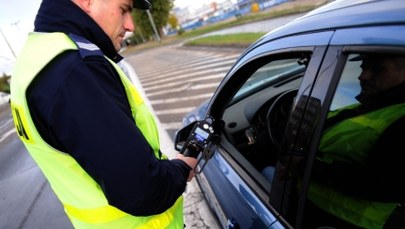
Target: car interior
262	104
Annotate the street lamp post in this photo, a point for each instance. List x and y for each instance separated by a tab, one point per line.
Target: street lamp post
8	44
153	25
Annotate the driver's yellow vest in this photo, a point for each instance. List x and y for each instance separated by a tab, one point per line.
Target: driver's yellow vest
83	199
350	141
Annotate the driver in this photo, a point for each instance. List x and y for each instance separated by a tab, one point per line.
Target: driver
356	175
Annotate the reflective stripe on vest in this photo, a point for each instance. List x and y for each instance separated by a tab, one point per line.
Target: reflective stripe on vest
82	197
341	142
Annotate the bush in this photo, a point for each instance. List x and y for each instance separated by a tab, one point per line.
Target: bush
5	83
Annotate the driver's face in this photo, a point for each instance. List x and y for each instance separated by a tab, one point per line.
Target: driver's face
378	75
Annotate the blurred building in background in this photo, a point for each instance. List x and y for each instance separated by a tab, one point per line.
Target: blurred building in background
216	11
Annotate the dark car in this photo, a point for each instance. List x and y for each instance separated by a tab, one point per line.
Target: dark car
264	126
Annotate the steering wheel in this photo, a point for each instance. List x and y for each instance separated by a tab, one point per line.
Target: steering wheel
277	115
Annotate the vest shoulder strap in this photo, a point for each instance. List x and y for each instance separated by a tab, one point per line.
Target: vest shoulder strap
86	48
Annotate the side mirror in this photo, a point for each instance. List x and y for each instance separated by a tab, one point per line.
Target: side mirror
182	136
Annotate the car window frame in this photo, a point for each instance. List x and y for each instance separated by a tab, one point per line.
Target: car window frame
307	42
231	155
329	77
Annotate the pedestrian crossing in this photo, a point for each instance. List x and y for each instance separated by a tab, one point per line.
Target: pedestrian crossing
6	126
176	79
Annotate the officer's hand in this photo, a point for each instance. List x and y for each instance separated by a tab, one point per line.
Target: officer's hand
190	161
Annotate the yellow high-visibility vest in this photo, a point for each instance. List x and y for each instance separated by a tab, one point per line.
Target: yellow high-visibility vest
83	199
349	141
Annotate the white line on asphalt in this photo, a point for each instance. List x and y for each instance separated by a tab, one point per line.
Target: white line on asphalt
171	125
187	87
174	111
180	77
189	79
214	60
182	99
8	133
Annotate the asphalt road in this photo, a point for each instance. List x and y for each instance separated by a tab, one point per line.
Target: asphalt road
175	79
26	200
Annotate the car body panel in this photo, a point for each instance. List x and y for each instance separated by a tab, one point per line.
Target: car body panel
254	214
375	35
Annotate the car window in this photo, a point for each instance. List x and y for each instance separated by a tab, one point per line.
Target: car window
348	86
354	178
270	74
246	124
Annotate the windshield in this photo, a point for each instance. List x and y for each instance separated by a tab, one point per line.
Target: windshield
270	74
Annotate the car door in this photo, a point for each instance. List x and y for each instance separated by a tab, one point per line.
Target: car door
235	176
298	170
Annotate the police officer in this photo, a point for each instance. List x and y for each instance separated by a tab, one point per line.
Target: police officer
85	124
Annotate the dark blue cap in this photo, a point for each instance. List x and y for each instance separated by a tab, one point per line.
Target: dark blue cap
142	4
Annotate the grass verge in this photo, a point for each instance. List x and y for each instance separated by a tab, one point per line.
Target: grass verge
227	40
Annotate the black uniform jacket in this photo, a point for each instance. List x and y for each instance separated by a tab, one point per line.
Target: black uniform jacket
80	107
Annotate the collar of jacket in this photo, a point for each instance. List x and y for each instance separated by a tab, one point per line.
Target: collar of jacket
64	16
393	96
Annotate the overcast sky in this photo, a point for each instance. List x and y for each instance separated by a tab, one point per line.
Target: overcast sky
17	20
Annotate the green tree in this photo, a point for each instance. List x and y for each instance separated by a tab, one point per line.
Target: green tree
173	22
160	12
5	83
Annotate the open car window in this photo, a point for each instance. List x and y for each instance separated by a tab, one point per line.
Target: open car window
246	118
